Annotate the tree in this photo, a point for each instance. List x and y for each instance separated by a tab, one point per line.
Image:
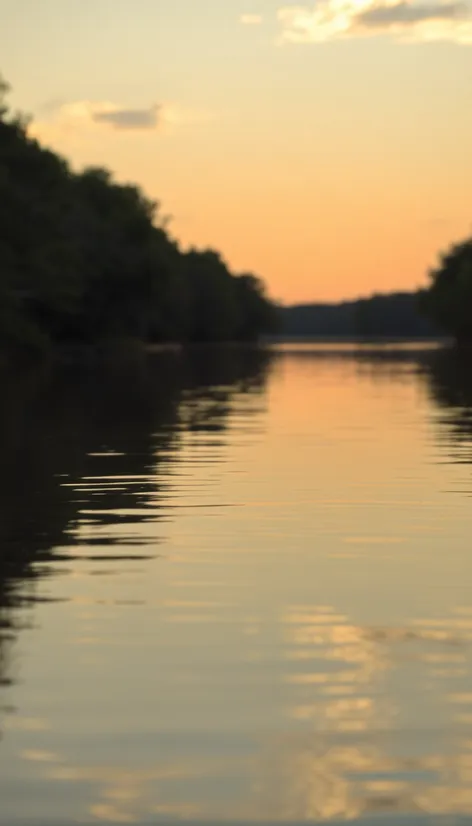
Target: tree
83	258
448	300
256	313
37	276
213	306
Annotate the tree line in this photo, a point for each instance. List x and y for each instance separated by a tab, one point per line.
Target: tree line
84	258
442	308
394	315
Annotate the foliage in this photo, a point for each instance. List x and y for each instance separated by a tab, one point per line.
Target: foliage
83	258
448	300
392	315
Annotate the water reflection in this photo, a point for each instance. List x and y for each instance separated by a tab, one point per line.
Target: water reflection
264	563
79	459
359	759
449	377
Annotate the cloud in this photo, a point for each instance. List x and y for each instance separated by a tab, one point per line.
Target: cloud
251	19
86	118
405	13
86	113
404	20
129	118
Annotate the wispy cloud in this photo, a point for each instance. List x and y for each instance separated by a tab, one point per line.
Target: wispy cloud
404	20
251	19
61	120
128	118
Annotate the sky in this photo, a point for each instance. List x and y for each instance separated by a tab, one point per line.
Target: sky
323	146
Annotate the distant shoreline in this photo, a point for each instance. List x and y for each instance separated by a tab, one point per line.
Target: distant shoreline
131	351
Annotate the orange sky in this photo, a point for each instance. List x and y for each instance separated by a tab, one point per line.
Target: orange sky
326	150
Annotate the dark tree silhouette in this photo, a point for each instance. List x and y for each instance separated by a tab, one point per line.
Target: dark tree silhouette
394	315
84	259
448	301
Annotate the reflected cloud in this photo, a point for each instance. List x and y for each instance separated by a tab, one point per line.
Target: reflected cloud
327	638
36	756
16	722
344	757
125	795
328	775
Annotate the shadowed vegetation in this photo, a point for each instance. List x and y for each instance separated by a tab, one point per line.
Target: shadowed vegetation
444	307
84	259
448	301
394	315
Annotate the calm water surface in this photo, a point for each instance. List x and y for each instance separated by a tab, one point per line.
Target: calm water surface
237	586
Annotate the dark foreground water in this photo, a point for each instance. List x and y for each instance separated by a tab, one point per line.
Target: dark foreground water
237	586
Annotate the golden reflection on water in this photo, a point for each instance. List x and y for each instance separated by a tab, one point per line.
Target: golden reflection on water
325	775
341	764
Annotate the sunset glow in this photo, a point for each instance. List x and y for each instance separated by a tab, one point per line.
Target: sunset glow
325	146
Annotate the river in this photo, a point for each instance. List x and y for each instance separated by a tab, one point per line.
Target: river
236	586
